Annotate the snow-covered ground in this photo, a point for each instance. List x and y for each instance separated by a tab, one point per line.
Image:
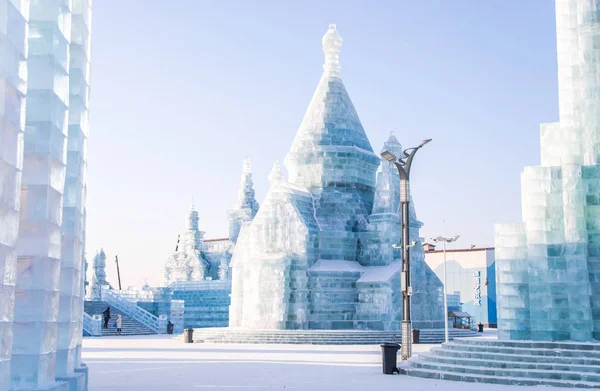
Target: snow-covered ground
166	363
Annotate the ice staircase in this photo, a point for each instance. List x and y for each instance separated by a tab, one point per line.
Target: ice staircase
130	325
479	360
317	337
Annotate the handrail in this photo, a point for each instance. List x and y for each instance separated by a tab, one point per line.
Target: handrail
131	309
92	325
201	284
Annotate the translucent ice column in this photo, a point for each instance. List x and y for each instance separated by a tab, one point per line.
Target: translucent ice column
13	86
70	314
39	242
512	273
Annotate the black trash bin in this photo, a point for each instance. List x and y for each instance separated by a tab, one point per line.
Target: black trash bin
416	334
188	336
169	328
480	327
389	356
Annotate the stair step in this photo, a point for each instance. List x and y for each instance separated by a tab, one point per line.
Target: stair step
472	378
502	348
482	354
507	364
567	345
129	325
512	373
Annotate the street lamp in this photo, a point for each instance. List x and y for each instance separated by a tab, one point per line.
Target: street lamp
403	164
413	243
445	240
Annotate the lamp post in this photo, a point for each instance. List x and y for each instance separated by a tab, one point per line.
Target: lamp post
118	271
403	164
445	240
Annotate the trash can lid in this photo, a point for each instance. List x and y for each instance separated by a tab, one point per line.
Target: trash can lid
390	345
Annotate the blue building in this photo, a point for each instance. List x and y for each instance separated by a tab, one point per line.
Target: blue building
471	275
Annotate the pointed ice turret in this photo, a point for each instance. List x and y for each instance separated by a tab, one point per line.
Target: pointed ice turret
98	277
331	147
275	176
246	205
387	194
331	157
192	227
332	45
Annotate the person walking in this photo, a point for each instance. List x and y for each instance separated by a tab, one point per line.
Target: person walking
119	322
106	315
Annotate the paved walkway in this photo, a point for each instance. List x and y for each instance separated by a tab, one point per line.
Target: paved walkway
167	364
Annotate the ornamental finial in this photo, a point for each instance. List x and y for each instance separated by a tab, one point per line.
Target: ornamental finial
332	45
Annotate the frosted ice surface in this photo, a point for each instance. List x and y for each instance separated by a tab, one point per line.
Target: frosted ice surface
70	315
312	256
548	266
13	86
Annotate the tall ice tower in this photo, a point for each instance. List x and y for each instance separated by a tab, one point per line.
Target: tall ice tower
331	157
13	86
548	266
312	258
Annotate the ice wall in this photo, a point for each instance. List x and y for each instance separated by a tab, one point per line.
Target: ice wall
270	263
13	87
70	315
548	267
39	243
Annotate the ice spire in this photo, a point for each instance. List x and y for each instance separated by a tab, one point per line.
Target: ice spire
332	45
387	192
98	277
275	176
246	193
246	205
192	219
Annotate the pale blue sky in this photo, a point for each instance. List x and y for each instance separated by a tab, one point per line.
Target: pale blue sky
182	90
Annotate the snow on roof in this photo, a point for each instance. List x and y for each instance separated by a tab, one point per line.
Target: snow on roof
380	273
369	274
330	265
460	314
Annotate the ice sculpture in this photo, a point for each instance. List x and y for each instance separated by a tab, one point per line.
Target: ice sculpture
70	313
246	206
39	242
196	259
187	263
98	276
13	86
316	255
548	266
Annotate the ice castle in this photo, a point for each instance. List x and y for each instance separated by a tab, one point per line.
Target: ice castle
548	266
318	254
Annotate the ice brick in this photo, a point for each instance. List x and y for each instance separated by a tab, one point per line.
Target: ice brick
13	86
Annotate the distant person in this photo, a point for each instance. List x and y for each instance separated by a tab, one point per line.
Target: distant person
119	322
106	315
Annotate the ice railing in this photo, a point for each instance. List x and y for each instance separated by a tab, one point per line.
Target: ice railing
135	295
92	324
201	285
131	309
